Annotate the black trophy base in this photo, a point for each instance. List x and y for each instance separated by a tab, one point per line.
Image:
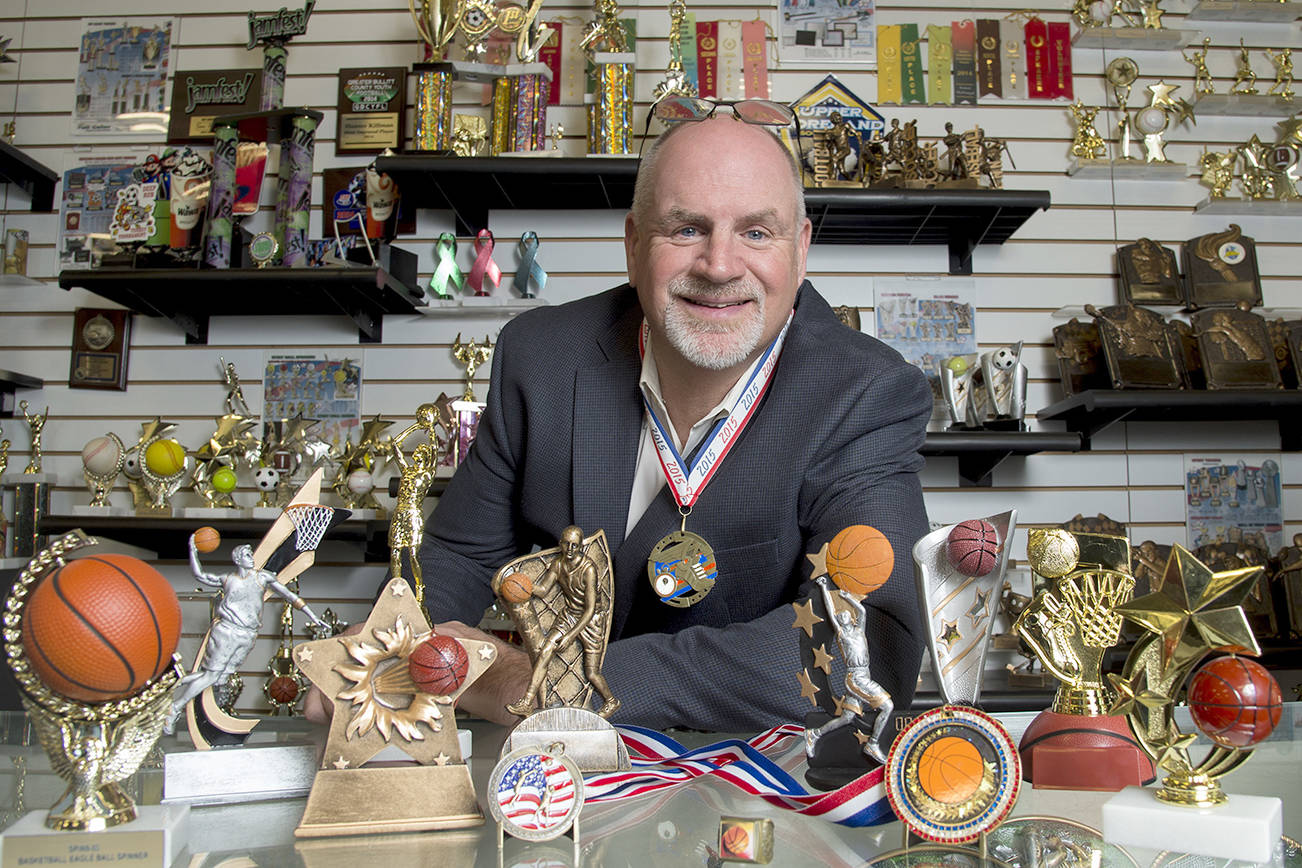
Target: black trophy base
838	757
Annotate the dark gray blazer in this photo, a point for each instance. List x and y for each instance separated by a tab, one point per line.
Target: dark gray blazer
834	443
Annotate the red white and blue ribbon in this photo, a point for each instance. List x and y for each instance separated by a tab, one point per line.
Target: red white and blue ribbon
660	762
688	481
484	265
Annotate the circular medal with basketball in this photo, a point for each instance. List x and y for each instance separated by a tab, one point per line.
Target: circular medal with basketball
952	774
682	568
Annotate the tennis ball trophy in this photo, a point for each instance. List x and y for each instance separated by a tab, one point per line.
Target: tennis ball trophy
1233	701
1070	625
844	735
96	688
953	773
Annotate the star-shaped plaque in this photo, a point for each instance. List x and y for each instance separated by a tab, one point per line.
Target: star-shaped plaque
295	430
1196	610
1161	94
376	703
1290	131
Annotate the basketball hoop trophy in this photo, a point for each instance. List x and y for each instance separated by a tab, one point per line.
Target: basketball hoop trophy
394	684
953	774
1234	701
1070	625
560	600
844	736
97	691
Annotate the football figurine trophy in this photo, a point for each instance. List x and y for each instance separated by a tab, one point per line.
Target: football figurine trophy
96	688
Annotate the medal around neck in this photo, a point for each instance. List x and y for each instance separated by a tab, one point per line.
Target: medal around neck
682	569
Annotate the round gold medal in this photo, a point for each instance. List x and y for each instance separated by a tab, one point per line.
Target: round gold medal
682	568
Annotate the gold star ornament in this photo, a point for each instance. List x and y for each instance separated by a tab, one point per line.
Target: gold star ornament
805	617
807	687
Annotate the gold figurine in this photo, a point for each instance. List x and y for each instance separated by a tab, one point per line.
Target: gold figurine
1202	77
1245	80
407	527
1121	74
1218	171
36	422
235	403
472	355
604	33
1087	144
1283	62
675	82
4	454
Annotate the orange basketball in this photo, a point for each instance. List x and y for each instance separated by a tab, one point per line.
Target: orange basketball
206	539
735	841
860	559
100	627
950	770
515	588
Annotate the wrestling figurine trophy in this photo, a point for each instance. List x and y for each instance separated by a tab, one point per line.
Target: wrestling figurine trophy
1070	626
560	600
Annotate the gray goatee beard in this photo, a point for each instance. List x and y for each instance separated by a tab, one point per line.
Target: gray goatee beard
710	345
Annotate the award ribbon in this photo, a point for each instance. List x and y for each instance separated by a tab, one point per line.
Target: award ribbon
1014	63
1060	60
550	54
1037	58
964	39
888	63
988	50
687	484
659	762
707	57
731	77
911	65
529	267
448	270
940	59
755	59
484	264
686	39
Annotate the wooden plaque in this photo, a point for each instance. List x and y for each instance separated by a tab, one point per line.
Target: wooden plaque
1137	346
1236	350
1149	274
371	109
1221	270
101	341
200	96
1076	344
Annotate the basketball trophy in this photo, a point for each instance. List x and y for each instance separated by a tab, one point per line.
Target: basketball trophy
953	773
560	600
1070	625
407	527
102	460
393	684
96	689
844	734
1234	701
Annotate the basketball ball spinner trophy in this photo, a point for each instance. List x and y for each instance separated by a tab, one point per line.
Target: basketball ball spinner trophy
953	773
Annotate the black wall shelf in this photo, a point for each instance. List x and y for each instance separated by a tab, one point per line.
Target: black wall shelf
1092	411
980	452
189	297
10	382
36	178
470	187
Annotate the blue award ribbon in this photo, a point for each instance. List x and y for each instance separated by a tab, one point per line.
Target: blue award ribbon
529	267
448	270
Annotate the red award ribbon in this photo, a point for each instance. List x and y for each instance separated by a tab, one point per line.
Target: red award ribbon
1060	60
687	482
1037	58
965	72
484	264
551	55
755	64
707	57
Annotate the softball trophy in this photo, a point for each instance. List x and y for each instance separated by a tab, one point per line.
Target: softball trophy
1233	700
95	686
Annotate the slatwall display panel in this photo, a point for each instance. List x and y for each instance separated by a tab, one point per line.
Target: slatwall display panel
1060	259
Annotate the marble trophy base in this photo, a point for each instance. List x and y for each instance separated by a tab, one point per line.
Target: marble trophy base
385	800
156	837
1245	827
100	511
252	773
213	512
1262	105
838	757
589	739
1127	169
261	512
1077	752
451	849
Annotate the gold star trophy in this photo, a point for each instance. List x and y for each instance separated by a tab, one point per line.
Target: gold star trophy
1194	613
1070	626
394	684
354	481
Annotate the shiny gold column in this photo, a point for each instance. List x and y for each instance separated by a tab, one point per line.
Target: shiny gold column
433	127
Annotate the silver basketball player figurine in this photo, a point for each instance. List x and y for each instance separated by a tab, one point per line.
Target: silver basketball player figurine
861	692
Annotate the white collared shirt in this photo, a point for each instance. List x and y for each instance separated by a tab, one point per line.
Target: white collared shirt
648	476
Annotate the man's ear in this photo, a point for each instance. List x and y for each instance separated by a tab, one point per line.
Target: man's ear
630	247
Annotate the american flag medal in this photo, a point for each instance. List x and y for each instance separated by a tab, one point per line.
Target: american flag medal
682	568
535	794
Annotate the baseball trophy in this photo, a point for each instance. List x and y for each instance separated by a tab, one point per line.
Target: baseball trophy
1070	625
845	736
102	459
394	684
1232	699
560	600
953	773
96	688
